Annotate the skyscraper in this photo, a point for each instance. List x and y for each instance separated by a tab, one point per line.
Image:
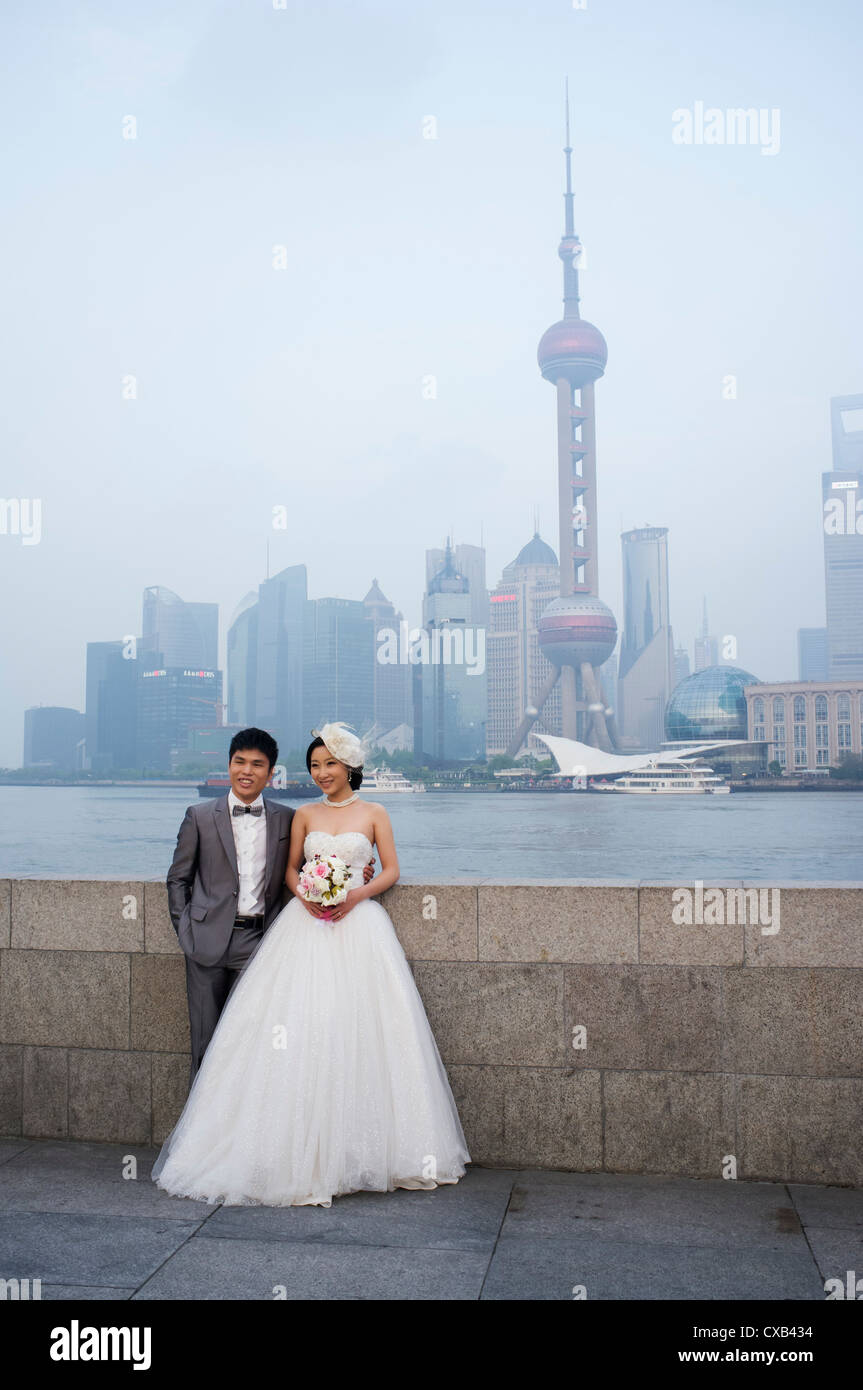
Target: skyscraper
706	647
517	668
645	673
53	738
111	707
681	665
391	694
812	654
451	680
577	631
178	684
469	560
338	664
176	633
280	653
842	501
172	701
242	660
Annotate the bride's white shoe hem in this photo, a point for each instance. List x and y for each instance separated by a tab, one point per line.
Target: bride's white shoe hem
311	1199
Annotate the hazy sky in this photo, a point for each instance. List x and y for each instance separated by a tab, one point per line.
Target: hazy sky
406	257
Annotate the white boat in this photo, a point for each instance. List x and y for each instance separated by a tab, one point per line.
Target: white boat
384	780
673	779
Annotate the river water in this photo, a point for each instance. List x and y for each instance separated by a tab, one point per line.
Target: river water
130	832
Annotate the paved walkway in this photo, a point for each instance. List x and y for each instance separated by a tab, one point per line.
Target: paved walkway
69	1218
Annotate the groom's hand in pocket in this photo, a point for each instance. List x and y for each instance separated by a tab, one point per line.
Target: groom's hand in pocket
369	871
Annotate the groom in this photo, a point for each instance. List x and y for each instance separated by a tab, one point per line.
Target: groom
226	883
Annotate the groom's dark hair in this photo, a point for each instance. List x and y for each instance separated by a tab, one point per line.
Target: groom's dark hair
258	739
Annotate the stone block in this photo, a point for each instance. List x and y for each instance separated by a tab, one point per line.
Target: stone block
794	1021
222	1270
501	1014
159	934
662	941
594	923
109	1096
46	1092
800	1129
65	998
77	915
434	922
5	913
94	1250
546	1116
668	1122
651	1018
552	1117
160	1016
549	1268
819	924
478	1095
11	1090
170	1081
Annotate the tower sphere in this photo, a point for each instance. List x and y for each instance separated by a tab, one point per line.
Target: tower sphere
577	628
572	348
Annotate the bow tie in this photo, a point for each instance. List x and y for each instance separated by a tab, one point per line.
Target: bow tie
247	811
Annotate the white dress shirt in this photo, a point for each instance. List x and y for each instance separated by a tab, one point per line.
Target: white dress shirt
250	838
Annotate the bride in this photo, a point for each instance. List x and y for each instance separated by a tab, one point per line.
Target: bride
323	1075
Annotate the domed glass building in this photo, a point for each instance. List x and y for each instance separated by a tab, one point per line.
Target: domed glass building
709	705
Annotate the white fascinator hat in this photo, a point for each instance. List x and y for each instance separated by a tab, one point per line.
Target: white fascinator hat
342	742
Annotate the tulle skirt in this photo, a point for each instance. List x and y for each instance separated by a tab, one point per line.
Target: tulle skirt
323	1076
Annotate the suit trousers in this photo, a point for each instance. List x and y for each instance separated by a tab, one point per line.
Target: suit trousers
208	988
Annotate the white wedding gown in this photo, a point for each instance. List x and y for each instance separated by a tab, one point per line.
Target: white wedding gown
323	1075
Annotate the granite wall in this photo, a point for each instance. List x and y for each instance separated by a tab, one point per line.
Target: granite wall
583	1026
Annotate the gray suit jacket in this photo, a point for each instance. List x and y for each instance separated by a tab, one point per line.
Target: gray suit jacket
204	882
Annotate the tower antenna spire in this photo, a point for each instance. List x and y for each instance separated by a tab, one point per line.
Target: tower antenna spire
567	149
570	246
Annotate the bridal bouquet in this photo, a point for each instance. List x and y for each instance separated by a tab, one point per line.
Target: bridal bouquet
323	880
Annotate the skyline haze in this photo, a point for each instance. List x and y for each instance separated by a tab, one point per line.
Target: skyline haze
408	258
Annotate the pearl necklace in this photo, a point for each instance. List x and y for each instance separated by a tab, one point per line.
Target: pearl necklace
340	803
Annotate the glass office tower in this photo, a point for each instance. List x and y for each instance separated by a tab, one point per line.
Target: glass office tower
646	671
842	502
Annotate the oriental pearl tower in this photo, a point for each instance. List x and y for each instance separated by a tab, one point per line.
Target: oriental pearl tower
577	632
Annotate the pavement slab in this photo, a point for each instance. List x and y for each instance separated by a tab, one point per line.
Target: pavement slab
69	1217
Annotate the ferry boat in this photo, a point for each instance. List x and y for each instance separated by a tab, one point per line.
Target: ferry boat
384	780
674	779
291	791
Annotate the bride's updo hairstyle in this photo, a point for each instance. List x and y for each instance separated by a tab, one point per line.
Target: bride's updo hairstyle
355	774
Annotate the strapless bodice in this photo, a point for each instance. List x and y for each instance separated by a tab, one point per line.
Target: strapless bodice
351	845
